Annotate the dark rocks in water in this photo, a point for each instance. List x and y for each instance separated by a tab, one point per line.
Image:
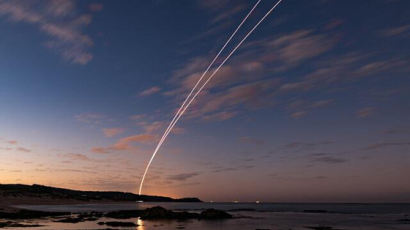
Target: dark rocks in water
321	228
11	224
242	210
28	214
157	213
162	213
72	220
124	214
406	220
315	211
118	224
214	214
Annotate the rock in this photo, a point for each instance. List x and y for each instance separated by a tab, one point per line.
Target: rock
28	214
72	220
321	228
124	214
214	214
118	224
156	213
315	211
11	224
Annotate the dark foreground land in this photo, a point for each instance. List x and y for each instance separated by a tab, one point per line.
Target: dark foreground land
13	194
37	194
12	218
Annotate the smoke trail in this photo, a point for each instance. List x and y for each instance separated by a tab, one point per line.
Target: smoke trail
180	113
192	90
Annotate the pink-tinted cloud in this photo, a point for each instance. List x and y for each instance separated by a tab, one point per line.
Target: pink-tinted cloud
150	91
77	156
12	142
396	31
59	20
125	143
101	150
365	112
92	118
95	7
21	149
111	132
299	114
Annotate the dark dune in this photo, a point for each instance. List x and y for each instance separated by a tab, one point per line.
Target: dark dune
12	194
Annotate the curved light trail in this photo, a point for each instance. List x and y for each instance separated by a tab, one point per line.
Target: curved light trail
184	107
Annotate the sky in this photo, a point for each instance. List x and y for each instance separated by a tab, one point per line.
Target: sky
313	107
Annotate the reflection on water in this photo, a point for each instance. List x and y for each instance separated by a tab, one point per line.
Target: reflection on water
140	224
253	216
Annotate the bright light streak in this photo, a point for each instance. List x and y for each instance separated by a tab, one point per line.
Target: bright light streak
184	107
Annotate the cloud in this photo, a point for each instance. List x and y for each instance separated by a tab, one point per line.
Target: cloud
12	142
223	105
321	103
91	118
248	81
95	7
21	149
137	117
396	31
150	91
327	158
298	114
100	150
301	45
398	130
125	143
365	112
77	156
386	145
182	176
111	132
306	145
330	160
301	107
59	20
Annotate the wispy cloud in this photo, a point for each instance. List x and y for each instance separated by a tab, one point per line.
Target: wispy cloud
396	31
386	145
57	19
365	112
182	176
111	132
77	156
12	142
95	7
150	91
92	118
327	158
298	114
21	149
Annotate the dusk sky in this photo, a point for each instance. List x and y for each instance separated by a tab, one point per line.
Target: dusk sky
315	106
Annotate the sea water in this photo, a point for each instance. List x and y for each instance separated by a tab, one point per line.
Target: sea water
274	216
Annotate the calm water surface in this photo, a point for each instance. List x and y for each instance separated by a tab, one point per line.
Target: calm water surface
275	216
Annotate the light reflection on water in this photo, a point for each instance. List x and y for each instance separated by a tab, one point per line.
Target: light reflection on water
265	216
140	224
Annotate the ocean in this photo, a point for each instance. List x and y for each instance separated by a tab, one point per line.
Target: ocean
274	216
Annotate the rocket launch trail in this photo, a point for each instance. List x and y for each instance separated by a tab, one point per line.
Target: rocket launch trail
189	99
